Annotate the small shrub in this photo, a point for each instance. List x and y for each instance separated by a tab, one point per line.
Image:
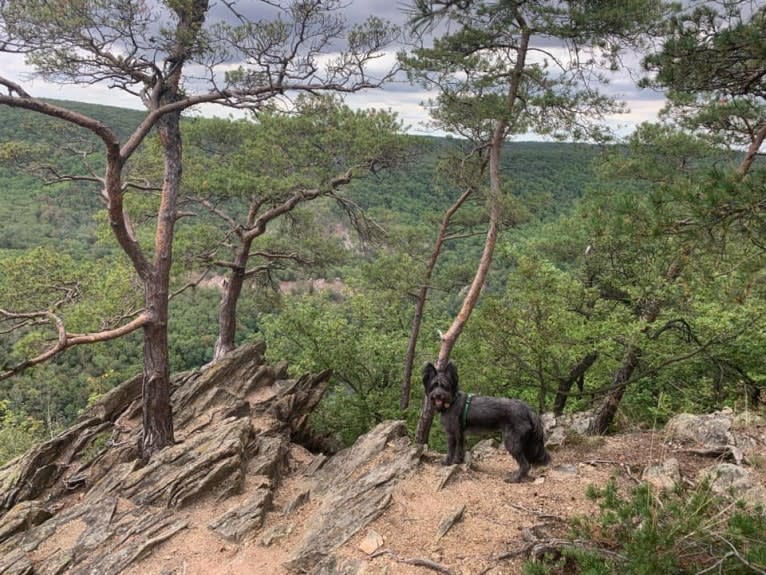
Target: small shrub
18	432
672	533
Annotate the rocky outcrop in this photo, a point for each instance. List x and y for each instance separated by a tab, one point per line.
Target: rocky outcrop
354	488
707	430
724	436
558	428
666	475
718	434
83	503
735	481
82	500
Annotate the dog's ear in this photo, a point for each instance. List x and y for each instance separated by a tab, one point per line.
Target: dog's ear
428	374
451	372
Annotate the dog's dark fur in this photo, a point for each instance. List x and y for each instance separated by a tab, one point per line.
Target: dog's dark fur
521	427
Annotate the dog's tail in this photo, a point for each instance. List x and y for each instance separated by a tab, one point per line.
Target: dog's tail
536	452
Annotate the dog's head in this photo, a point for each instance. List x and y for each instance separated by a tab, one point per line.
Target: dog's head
441	385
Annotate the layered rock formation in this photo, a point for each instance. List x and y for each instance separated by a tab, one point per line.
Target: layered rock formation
82	502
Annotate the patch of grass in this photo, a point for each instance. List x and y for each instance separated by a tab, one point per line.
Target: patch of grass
673	533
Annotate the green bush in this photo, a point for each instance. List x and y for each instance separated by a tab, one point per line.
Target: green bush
645	533
18	432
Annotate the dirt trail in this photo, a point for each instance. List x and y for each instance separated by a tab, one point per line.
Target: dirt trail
498	517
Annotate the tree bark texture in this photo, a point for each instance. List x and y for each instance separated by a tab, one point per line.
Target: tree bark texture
605	413
157	413
420	305
576	374
474	291
227	313
499	133
425	421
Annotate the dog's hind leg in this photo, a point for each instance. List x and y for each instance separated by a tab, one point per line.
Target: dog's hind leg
513	445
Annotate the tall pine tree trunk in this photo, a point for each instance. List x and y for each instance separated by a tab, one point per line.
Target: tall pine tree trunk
495	196
474	291
420	305
157	412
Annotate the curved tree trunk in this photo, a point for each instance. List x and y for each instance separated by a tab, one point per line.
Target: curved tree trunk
576	374
752	150
420	305
606	411
474	291
227	311
495	146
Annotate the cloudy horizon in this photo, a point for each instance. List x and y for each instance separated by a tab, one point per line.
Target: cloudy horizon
406	100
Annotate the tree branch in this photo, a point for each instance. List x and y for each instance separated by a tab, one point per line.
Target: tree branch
66	340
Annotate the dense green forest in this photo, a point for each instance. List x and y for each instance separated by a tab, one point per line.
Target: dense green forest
625	278
61	217
622	277
595	244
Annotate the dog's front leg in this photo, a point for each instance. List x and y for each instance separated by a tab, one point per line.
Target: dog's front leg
459	448
452	440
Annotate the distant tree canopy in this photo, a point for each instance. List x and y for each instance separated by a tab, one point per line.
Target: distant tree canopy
150	51
626	278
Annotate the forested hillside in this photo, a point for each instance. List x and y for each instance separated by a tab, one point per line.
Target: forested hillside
35	209
548	176
405	201
169	279
561	301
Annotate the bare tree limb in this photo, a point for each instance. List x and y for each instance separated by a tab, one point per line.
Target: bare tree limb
64	339
416	561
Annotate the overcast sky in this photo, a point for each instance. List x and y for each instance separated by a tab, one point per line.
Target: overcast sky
406	100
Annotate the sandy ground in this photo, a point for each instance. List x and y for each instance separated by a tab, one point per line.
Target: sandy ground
497	517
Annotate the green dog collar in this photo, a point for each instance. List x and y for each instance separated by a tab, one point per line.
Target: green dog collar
464	416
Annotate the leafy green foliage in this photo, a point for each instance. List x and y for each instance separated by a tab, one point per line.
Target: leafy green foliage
653	203
361	340
671	532
18	432
713	64
485	72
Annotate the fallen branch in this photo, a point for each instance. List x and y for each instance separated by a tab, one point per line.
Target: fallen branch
416	561
725	451
539	514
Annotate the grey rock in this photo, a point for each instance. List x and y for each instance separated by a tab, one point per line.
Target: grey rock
558	428
663	476
125	510
449	520
15	562
245	519
335	566
275	533
355	488
21	517
297	502
729	480
709	430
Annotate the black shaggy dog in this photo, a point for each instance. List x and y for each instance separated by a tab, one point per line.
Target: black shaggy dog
460	412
